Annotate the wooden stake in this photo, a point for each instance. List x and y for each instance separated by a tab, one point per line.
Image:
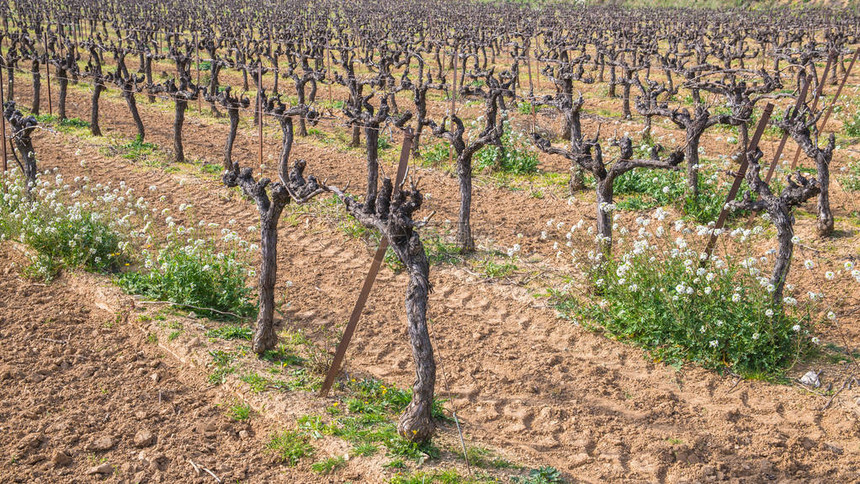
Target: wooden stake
340	353
801	98
838	92
736	185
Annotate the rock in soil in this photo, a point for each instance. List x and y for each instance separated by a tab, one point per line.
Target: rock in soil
143	438
60	458
100	469
810	379
102	444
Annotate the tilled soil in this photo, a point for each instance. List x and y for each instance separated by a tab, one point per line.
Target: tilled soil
86	399
522	380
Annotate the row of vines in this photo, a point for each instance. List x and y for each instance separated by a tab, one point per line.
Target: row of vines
419	67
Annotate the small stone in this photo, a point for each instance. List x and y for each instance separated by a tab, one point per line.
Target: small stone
143	438
140	414
31	441
101	469
835	448
807	443
811	379
60	458
244	434
102	444
155	377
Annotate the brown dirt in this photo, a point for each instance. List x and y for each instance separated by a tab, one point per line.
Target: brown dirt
80	383
540	389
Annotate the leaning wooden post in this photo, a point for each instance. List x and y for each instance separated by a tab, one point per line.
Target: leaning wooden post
801	98
340	353
838	92
739	177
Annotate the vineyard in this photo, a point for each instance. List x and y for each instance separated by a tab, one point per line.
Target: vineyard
414	242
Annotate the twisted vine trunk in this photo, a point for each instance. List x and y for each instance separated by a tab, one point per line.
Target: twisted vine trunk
371	134
573	129
147	70
825	216
37	86
98	88
356	137
420	101
128	95
264	337
691	154
231	137
464	225
605	195
180	105
416	422
577	179
63	81
214	86
625	102
613	80
300	91
393	218
781	219
10	71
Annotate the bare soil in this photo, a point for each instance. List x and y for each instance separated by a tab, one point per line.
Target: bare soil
82	388
537	388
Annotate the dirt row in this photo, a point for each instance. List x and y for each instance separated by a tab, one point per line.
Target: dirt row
523	381
86	398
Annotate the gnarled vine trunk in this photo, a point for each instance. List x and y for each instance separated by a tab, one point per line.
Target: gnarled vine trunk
37	86
63	81
464	220
416	422
180	104
128	95
98	88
